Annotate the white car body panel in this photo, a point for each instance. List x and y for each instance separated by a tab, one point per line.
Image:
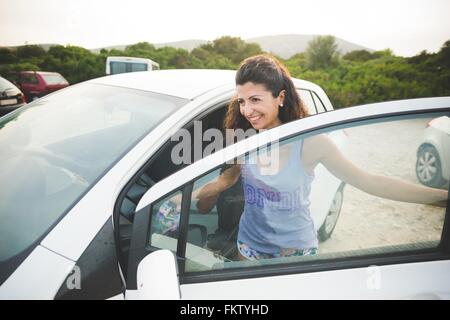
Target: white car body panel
187	84
400	281
38	277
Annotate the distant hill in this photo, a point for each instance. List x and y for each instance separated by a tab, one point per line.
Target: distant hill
184	44
284	46
44	46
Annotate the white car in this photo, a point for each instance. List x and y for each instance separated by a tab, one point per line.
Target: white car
87	172
433	154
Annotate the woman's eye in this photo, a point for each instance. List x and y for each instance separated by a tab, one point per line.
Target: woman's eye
255	99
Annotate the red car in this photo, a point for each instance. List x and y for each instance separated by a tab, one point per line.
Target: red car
35	84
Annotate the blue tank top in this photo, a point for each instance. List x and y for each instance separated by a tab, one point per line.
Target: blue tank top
276	211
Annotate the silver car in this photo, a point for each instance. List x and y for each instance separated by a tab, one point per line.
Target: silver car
433	154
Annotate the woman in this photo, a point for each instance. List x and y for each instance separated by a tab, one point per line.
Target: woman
266	98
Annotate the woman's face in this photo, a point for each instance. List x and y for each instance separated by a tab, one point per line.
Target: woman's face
258	106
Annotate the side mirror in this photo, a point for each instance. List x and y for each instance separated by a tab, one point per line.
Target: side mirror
157	277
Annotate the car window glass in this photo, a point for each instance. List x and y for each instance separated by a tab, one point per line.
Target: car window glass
305	96
51	166
291	212
138	67
29	78
118	67
319	105
165	222
54	79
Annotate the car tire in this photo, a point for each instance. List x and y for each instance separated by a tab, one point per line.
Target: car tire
428	167
328	225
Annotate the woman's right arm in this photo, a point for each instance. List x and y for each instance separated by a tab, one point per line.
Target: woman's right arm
208	195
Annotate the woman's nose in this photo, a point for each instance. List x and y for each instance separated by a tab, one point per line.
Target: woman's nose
248	110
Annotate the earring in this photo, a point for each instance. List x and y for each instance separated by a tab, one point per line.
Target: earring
281	105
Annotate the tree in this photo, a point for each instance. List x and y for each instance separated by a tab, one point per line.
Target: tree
359	55
205	57
233	48
322	53
8	56
443	56
30	51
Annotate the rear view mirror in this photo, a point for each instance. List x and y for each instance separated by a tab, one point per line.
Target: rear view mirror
157	277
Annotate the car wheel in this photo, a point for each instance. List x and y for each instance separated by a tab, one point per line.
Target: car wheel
428	167
327	227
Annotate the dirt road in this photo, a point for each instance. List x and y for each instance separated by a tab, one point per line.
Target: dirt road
367	221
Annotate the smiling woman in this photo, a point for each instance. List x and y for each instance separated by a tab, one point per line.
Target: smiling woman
55	149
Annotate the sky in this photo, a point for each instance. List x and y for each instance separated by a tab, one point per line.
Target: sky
405	26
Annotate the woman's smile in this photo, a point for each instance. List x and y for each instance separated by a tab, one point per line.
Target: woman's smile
255	118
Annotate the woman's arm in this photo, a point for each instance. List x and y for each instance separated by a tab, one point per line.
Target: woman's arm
378	185
208	195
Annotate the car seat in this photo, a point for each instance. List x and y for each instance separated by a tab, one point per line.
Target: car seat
230	206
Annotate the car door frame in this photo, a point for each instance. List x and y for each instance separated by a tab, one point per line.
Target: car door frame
184	178
203	111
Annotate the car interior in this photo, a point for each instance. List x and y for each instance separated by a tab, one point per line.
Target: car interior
223	239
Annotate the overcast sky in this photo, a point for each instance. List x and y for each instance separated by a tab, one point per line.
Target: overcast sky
405	26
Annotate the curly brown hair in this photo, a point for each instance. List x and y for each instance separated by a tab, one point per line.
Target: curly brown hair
266	70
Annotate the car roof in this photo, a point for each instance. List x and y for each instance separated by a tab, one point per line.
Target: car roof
40	72
183	83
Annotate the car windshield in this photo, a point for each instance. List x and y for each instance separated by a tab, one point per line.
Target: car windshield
54	79
55	149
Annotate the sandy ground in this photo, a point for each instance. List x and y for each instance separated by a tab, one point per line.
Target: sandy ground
367	221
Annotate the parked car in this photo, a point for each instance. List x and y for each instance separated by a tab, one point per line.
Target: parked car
11	97
116	65
86	171
433	154
36	84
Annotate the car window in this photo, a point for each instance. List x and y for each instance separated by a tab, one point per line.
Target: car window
28	78
138	67
54	79
307	99
165	221
51	166
319	105
118	67
319	217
